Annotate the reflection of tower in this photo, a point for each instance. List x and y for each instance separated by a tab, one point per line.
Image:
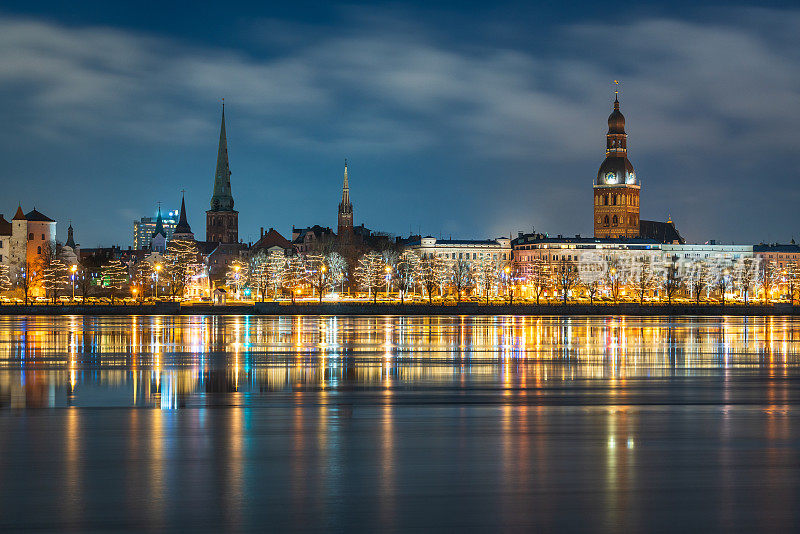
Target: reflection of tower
222	221
345	228
616	190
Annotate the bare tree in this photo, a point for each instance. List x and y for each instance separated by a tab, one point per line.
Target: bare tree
566	276
369	274
487	274
614	277
643	278
792	280
295	275
768	278
672	279
276	268
592	287
539	277
430	267
258	272
460	276
337	269
318	276
746	275
407	270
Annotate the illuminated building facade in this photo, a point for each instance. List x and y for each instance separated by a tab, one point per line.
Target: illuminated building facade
471	250
145	228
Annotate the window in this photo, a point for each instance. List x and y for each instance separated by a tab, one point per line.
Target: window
605	221
42	237
615	221
38	250
30	236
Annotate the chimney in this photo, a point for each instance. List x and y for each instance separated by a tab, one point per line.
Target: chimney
262	232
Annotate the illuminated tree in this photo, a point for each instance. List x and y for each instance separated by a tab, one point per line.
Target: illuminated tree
236	276
25	277
337	269
487	275
295	275
643	277
538	277
276	267
672	279
566	277
407	272
258	269
369	274
429	270
768	279
55	277
614	277
745	276
180	256
143	278
5	279
698	277
318	277
792	280
461	276
114	276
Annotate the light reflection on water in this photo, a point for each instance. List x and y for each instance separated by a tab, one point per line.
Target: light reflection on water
171	362
399	423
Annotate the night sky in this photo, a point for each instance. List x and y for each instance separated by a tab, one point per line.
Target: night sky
460	119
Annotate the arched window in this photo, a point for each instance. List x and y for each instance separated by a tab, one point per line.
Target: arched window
38	250
605	221
605	199
615	221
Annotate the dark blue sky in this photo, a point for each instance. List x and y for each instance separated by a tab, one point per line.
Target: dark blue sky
458	118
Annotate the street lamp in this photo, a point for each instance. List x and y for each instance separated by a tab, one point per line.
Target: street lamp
74	269
236	270
388	270
158	269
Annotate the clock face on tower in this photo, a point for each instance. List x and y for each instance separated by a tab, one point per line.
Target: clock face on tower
631	178
611	178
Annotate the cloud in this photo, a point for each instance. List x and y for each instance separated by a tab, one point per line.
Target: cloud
708	101
691	85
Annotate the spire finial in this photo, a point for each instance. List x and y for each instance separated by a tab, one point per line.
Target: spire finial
616	91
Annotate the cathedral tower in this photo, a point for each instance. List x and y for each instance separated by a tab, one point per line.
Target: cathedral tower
345	227
616	190
222	221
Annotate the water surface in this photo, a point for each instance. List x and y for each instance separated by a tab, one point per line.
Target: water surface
399	423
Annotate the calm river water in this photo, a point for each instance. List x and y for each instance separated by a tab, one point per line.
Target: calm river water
384	424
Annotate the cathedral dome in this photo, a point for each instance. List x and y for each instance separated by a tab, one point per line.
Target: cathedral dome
616	171
616	121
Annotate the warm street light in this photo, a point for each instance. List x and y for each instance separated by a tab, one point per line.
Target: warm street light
73	268
158	269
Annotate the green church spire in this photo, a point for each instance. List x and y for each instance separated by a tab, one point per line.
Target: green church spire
222	200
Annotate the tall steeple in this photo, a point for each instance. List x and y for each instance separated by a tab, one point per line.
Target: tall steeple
616	188
182	229
159	224
345	207
222	221
70	238
222	199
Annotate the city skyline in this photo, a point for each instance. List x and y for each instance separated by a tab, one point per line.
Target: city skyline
481	172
